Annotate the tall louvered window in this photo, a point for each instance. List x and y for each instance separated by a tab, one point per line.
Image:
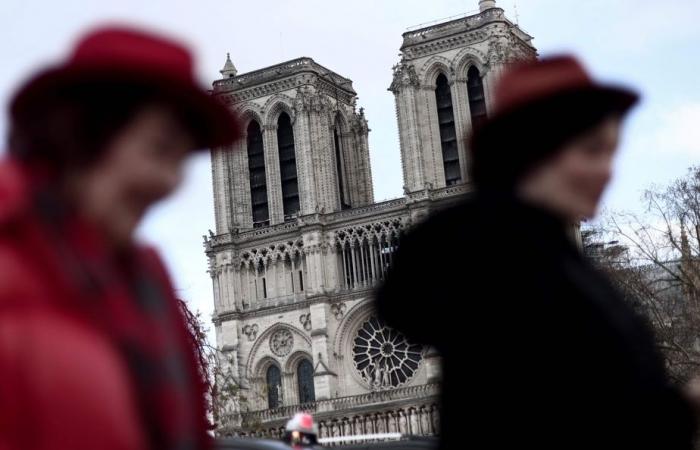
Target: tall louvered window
288	166
256	172
448	134
477	100
340	167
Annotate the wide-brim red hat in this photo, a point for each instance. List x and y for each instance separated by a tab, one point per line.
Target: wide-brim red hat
528	83
538	106
119	54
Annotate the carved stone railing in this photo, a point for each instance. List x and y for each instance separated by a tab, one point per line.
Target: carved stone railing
345	403
441	193
450	191
432	23
416	415
462	23
229	238
364	210
331	219
275	301
279	70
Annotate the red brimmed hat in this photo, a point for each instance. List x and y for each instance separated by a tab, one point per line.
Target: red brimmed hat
539	81
123	54
539	106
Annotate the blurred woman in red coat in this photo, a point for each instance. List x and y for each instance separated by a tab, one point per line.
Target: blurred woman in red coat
94	353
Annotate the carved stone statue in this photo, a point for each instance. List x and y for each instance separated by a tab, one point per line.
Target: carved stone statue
280	398
435	416
378	374
403	423
386	382
414	422
381	423
347	428
369	425
425	421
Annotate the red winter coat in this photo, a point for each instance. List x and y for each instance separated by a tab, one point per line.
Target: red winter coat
94	352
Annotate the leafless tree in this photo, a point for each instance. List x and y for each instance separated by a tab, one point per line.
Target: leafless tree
654	258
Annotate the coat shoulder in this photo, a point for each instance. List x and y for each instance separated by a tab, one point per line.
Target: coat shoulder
45	358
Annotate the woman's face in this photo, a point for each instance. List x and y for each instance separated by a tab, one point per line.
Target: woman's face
572	182
142	164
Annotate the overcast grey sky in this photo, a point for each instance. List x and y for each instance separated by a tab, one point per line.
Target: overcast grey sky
651	45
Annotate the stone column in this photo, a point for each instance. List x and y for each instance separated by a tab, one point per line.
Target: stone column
305	165
215	273
325	379
332	265
272	170
365	186
240	209
430	137
315	282
322	150
220	186
405	93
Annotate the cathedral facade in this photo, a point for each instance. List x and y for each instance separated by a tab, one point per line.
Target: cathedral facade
300	243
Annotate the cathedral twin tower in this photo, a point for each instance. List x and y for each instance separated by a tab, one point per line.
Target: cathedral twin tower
300	243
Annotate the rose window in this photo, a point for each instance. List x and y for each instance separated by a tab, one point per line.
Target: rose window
383	356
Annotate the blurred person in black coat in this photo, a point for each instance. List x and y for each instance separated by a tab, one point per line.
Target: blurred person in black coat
538	348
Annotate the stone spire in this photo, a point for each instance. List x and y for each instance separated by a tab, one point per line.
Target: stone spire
229	69
486	4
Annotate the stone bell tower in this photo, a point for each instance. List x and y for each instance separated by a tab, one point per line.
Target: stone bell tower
305	147
444	84
300	244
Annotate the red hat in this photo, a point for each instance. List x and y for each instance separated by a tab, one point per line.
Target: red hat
539	106
118	53
532	82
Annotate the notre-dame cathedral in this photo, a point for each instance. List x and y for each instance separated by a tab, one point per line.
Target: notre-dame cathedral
300	242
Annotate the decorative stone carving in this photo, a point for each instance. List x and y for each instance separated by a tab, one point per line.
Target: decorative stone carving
435	418
391	419
381	423
305	320
358	427
404	75
347	427
282	251
251	331
498	51
338	310
281	342
403	422
414	421
425	421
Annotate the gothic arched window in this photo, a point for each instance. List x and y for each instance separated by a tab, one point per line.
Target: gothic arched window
448	134
340	166
274	387
305	381
477	100
288	166
256	172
